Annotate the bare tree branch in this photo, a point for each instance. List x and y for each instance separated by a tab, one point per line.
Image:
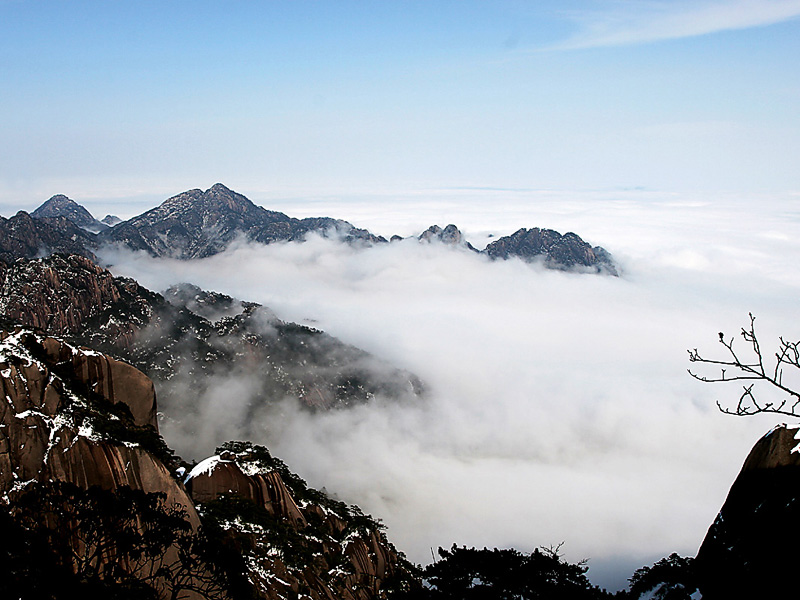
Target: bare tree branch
734	368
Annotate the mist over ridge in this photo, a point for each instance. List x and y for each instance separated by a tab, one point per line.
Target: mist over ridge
559	407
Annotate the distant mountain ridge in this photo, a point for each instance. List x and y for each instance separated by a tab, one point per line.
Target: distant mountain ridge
198	224
61	206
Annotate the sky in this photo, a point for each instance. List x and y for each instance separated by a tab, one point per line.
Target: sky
559	406
112	103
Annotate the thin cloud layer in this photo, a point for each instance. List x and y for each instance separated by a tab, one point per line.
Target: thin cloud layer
558	407
629	23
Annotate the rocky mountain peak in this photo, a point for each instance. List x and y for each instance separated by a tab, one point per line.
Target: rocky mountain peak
199	223
62	206
450	235
111	220
556	251
217	199
222	198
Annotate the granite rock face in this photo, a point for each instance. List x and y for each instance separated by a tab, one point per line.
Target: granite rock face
352	559
71	414
747	552
62	294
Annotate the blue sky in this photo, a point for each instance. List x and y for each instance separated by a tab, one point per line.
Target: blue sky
146	99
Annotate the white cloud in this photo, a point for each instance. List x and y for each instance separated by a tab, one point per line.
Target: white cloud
559	406
627	23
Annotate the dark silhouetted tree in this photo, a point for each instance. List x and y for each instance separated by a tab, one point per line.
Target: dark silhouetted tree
100	543
671	578
472	574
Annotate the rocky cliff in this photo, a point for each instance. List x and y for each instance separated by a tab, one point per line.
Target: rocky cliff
22	236
328	549
74	414
747	551
76	418
69	294
77	441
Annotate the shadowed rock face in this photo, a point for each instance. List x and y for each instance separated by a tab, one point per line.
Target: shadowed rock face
22	236
61	295
557	251
61	206
748	550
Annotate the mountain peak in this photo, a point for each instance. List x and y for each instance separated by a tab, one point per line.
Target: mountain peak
57	206
219	188
450	236
62	206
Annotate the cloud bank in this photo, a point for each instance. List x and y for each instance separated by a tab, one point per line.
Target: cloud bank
558	406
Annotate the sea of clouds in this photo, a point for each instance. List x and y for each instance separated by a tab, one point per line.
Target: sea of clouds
558	407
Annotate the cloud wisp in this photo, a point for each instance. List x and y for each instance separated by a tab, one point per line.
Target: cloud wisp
633	23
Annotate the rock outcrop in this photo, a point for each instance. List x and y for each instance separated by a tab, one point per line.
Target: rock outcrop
61	206
556	251
345	554
63	294
450	236
748	550
73	414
